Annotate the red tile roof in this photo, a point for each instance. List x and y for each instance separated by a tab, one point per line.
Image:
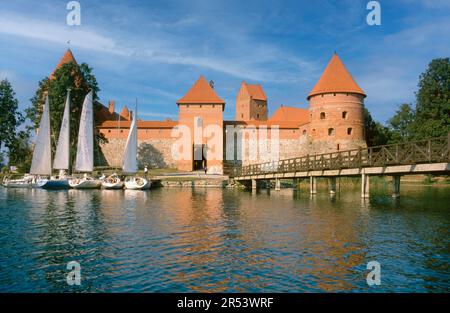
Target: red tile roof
125	113
336	78
67	58
256	91
201	92
103	114
140	124
269	123
290	114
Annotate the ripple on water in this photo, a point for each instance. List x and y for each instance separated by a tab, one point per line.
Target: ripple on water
181	240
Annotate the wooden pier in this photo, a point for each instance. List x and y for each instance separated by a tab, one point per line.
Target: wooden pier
430	156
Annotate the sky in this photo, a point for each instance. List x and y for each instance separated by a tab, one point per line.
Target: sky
155	50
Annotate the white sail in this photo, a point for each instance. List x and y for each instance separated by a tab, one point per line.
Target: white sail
85	146
41	163
61	161
130	155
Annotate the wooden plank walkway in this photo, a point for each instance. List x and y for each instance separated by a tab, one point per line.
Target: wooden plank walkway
424	156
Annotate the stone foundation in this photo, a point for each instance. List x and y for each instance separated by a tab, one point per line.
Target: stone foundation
114	149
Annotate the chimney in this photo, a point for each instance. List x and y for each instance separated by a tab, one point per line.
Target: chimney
111	106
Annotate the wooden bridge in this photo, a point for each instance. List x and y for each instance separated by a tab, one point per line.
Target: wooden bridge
431	156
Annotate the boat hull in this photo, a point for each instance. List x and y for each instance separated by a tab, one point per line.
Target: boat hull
19	184
53	183
115	185
25	182
112	182
137	183
85	183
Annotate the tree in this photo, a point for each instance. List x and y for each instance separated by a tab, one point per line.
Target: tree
80	80
20	152
10	117
2	159
433	101
150	156
375	133
401	124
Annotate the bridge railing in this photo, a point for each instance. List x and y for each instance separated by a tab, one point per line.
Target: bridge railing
432	150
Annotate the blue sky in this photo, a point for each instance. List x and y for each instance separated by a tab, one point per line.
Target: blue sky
155	50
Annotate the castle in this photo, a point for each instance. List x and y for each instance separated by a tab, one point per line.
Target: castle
334	121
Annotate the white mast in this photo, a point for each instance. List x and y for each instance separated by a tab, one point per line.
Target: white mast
130	155
41	163
62	154
85	146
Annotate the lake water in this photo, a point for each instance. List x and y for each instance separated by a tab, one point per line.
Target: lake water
213	240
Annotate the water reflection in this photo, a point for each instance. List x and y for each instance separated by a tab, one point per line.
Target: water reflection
222	240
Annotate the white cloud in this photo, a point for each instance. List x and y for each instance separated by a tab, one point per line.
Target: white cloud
12	24
158	48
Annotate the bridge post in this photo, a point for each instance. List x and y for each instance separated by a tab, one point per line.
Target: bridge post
277	184
254	184
395	186
364	185
332	185
312	184
295	183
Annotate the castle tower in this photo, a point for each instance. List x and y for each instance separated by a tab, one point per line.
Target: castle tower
336	111
201	111
67	58
251	103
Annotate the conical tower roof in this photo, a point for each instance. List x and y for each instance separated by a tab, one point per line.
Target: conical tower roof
67	58
201	92
336	78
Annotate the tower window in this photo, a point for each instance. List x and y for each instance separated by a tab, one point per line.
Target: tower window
304	132
338	147
242	115
349	131
344	114
330	131
322	115
257	115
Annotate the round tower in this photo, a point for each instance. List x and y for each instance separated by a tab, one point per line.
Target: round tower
336	111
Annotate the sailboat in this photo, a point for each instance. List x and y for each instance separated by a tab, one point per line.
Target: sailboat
41	163
130	160
85	148
61	161
113	181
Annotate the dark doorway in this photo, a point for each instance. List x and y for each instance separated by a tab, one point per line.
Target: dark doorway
199	159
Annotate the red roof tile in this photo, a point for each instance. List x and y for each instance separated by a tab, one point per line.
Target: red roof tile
201	92
140	124
290	114
336	78
67	58
256	91
125	113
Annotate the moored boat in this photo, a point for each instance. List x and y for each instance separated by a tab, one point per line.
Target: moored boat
86	182
137	183
28	181
84	162
62	155
130	160
53	183
112	182
41	163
